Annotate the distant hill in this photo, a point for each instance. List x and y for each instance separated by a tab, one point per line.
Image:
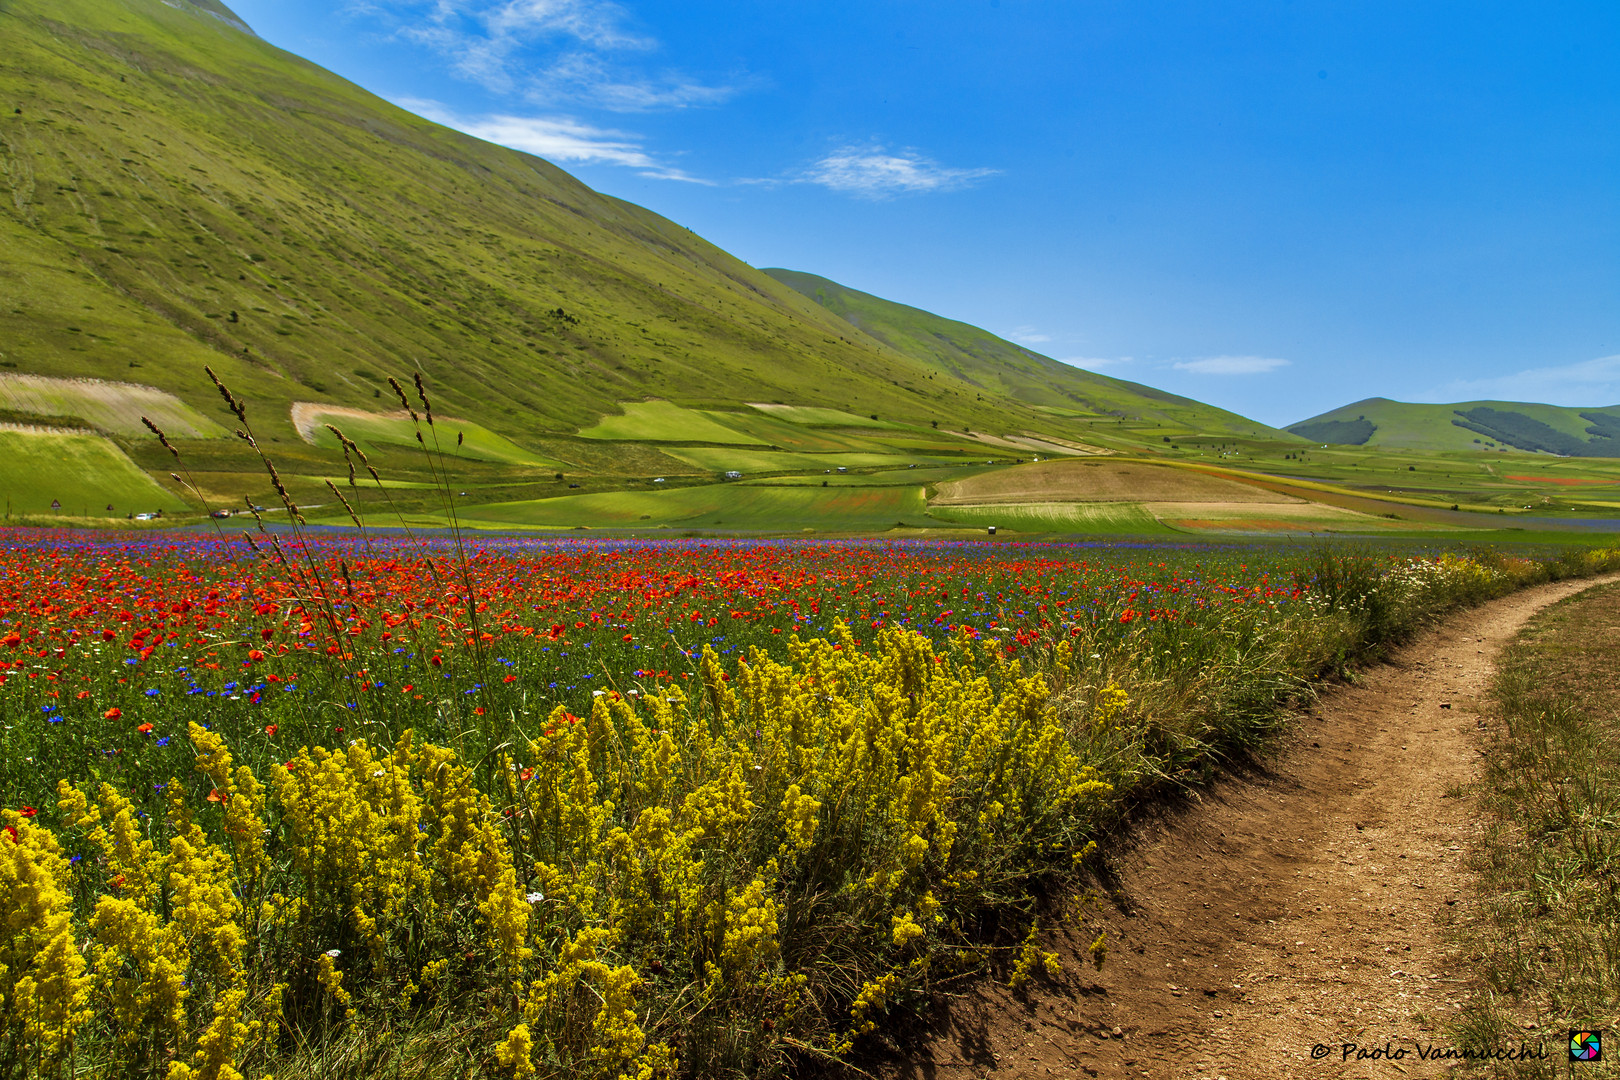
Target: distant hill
1002	367
1469	425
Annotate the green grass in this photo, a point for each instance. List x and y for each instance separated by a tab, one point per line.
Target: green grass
1089	518
85	473
772	431
1542	936
727	506
717	459
379	430
812	416
664	421
921	474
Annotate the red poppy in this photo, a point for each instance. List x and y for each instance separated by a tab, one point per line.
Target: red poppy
28	811
271	729
145	729
215	796
113	713
510	678
255	655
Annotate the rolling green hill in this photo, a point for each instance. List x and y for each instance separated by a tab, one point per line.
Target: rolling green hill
179	192
1470	425
957	350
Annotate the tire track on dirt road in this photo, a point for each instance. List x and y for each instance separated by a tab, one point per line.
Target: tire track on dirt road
1301	903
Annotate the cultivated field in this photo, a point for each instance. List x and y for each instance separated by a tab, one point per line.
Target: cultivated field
114	407
664	421
82	471
456	438
1100	481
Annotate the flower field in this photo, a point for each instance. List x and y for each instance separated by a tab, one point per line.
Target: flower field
326	806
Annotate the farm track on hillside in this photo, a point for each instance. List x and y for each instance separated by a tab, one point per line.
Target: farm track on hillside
1298	901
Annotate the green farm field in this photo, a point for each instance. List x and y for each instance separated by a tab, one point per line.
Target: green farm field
664	421
457	438
720	507
1102	519
84	472
717	459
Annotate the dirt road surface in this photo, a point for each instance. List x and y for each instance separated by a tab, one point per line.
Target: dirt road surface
1296	906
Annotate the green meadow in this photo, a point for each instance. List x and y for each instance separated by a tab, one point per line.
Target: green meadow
82	471
456	438
720	507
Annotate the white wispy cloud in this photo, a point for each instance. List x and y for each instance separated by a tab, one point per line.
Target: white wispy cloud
550	52
555	138
872	172
1029	335
587	78
1230	365
1585	382
598	23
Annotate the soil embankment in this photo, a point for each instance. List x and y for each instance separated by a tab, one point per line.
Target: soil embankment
1298	905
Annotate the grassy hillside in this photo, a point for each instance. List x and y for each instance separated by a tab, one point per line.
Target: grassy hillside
180	192
951	349
1485	426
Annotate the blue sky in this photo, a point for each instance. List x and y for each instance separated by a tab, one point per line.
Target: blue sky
1277	207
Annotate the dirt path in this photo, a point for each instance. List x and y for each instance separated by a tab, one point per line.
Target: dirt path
1284	909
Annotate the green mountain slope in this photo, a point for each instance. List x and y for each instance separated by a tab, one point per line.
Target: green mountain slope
1000	367
177	191
1469	425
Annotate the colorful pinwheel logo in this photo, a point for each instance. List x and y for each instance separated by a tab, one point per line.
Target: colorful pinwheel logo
1586	1046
